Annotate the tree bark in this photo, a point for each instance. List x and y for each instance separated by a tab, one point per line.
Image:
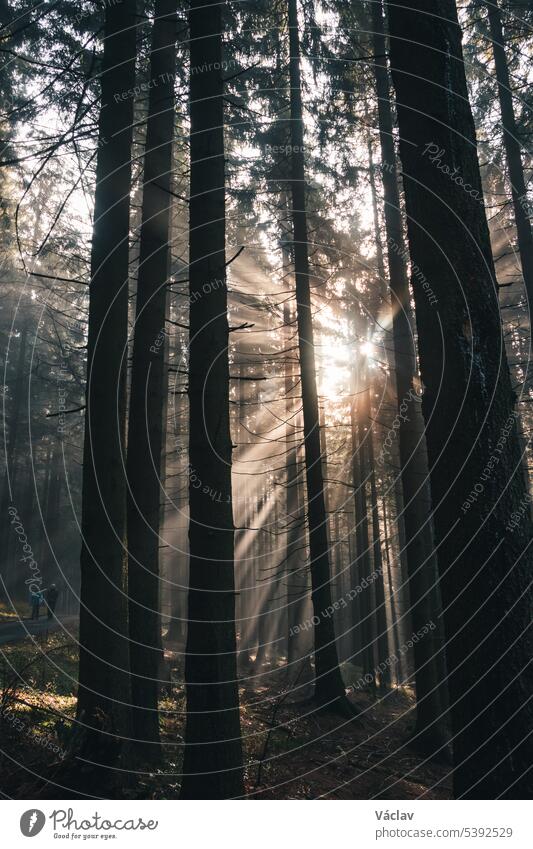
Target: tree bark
213	756
522	208
424	594
148	389
468	405
104	691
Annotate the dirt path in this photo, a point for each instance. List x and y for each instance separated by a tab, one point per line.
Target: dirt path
21	629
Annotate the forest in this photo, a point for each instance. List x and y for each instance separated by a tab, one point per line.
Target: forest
265	286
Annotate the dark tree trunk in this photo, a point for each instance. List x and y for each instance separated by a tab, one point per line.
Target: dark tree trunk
17	590
52	516
521	207
148	389
176	632
363	608
11	453
468	404
247	622
329	687
424	594
377	557
394	602
213	756
43	543
104	692
265	584
294	520
19	393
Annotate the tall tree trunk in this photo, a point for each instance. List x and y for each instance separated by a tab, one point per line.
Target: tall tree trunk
380	293
359	563
521	207
246	618
178	573
424	594
339	574
104	692
264	581
11	452
377	557
43	542
52	516
296	578
329	687
213	755
148	389
394	602
359	425
468	405
17	591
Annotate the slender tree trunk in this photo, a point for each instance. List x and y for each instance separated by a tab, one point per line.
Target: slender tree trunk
338	572
241	577
17	590
424	594
296	579
361	476
392	599
148	389
11	458
52	517
177	602
329	687
43	544
399	549
468	405
264	583
19	394
359	563
380	293
104	692
324	455
379	584
213	756
247	593
522	208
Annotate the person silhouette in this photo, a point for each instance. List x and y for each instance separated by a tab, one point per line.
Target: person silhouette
36	599
51	599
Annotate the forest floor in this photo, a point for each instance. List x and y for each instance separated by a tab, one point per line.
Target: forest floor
290	750
296	752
